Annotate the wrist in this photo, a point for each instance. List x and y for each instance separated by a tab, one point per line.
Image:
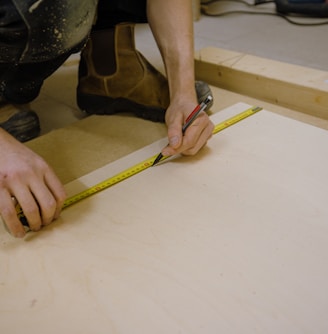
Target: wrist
184	93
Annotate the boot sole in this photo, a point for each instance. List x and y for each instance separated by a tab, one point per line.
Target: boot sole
104	105
23	126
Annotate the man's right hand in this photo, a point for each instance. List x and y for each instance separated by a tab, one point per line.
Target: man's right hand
26	178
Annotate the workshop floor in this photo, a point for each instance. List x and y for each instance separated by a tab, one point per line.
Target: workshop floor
261	35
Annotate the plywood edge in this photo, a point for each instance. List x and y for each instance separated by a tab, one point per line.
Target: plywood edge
296	87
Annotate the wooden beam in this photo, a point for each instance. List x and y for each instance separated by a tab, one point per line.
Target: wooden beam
292	86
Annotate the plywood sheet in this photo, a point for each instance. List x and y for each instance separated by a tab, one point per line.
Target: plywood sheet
234	240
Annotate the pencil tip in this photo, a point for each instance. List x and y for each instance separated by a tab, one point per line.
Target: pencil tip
158	158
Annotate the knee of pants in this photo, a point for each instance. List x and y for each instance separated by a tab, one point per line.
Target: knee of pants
36	37
22	83
54	26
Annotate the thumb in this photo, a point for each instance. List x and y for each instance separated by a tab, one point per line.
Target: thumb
174	133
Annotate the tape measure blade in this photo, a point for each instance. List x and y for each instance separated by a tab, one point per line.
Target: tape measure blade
110	181
235	119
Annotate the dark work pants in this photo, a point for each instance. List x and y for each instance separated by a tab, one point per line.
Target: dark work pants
34	43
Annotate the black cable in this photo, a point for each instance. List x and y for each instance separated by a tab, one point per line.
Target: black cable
285	17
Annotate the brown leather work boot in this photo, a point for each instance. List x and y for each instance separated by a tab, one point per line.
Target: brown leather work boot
19	121
114	77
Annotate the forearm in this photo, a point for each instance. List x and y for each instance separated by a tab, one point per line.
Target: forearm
172	25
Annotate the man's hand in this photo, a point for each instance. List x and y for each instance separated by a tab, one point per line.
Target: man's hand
195	137
26	178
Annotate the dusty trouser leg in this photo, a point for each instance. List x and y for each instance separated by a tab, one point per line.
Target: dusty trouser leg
113	75
21	122
35	39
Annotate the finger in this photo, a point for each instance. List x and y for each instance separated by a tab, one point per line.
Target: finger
29	207
197	137
46	204
174	133
174	122
9	215
57	190
42	202
50	196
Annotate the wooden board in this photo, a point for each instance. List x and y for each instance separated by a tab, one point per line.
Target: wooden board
234	240
296	87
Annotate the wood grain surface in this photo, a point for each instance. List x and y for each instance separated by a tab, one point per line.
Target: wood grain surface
233	240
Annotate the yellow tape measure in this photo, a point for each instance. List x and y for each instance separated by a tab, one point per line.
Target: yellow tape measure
136	168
